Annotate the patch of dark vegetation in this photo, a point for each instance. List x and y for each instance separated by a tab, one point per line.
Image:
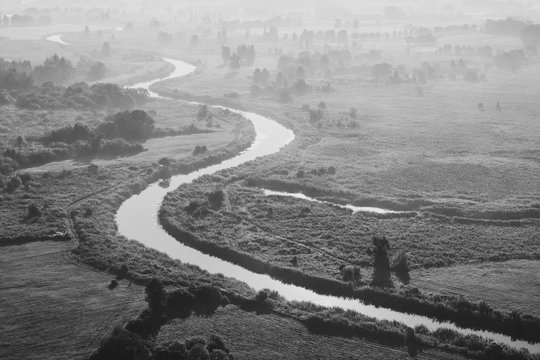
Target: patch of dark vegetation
135	341
116	136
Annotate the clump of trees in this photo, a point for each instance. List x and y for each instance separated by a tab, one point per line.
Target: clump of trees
382	270
244	56
55	69
96	72
530	35
81	96
135	341
116	136
511	60
509	26
129	125
199	150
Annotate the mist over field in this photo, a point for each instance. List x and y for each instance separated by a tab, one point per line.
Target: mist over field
250	179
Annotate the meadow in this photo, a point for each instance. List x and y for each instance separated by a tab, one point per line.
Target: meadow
49	314
469	177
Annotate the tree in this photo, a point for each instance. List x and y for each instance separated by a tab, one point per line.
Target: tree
401	267
531	35
381	262
130	125
225	54
382	71
156	297
96	72
215	198
234	62
351	274
411	341
106	49
203	112
194	41
33	211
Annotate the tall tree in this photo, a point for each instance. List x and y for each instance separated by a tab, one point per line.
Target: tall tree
381	263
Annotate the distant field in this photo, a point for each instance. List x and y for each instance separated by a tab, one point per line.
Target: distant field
176	115
251	336
54	308
509	285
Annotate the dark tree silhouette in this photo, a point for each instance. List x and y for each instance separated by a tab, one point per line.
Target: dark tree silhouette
381	263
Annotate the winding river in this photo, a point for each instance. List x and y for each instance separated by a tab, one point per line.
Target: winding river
137	219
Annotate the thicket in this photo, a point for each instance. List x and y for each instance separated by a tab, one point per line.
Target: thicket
135	340
116	136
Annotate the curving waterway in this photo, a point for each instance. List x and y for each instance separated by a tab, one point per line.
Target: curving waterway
57	39
137	219
354	209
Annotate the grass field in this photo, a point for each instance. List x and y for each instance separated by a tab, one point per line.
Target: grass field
435	153
510	285
252	336
56	308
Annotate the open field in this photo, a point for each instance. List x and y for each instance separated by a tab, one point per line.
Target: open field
469	177
268	336
275	229
509	285
56	308
224	128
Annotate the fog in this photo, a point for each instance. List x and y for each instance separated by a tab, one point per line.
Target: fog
296	179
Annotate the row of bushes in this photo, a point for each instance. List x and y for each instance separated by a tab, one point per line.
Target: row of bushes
80	96
30	158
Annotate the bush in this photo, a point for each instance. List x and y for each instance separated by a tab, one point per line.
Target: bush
97	71
13	184
200	150
130	125
401	267
113	284
215	198
123	345
156	297
33	211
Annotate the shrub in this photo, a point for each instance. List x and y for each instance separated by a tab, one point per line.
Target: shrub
130	125
400	267
200	150
215	198
156	296
123	345
351	274
33	211
13	184
113	284
195	340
